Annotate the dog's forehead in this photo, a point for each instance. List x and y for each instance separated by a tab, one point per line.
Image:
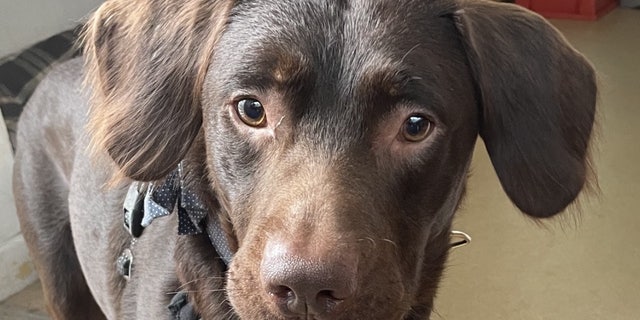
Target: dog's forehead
356	43
335	37
338	58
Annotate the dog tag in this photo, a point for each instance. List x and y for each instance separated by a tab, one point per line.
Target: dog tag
133	209
125	263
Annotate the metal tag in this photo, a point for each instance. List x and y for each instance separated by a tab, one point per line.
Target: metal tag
124	264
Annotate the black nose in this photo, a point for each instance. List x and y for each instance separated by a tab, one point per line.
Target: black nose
306	285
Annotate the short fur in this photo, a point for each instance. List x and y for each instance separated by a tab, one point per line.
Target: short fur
331	212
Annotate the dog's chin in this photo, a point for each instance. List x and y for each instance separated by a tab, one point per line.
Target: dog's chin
258	311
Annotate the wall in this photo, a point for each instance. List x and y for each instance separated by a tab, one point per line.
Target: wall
630	3
16	270
22	23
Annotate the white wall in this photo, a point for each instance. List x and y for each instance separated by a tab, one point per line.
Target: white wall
24	22
16	269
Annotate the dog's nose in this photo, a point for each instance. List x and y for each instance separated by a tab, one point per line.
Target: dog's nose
304	285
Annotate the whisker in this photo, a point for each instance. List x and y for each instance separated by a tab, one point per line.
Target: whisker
196	291
390	241
373	242
199	279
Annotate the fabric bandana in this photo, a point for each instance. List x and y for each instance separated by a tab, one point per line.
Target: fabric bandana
160	200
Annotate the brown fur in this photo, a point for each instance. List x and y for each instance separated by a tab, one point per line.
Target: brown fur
332	214
130	91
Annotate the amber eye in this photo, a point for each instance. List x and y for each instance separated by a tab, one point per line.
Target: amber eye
416	128
251	112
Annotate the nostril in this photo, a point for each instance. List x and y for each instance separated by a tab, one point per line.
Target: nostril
329	295
297	292
281	292
328	300
305	285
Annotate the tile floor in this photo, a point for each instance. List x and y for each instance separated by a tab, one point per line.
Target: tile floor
515	269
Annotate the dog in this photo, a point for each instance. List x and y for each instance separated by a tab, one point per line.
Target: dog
327	142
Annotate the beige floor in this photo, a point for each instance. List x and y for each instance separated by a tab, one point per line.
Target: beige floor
26	305
517	270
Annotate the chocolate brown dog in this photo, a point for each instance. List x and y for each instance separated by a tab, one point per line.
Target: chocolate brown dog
328	141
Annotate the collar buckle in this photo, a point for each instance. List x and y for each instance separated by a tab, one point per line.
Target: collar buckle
459	239
134	208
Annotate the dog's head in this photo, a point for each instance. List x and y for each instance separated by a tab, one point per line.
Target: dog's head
338	134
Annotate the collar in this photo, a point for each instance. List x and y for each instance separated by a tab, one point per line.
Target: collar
146	202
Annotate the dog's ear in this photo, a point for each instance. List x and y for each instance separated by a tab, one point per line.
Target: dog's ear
146	61
538	98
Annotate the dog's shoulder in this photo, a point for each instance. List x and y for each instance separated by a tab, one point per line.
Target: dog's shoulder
59	99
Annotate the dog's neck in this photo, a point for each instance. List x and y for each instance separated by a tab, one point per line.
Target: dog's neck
146	202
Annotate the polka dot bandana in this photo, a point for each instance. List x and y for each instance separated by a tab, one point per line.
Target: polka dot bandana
191	210
218	238
160	200
171	195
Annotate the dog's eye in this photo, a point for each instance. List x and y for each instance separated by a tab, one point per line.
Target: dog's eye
251	112
416	128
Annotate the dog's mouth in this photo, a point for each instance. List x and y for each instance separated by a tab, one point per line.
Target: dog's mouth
325	305
286	286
